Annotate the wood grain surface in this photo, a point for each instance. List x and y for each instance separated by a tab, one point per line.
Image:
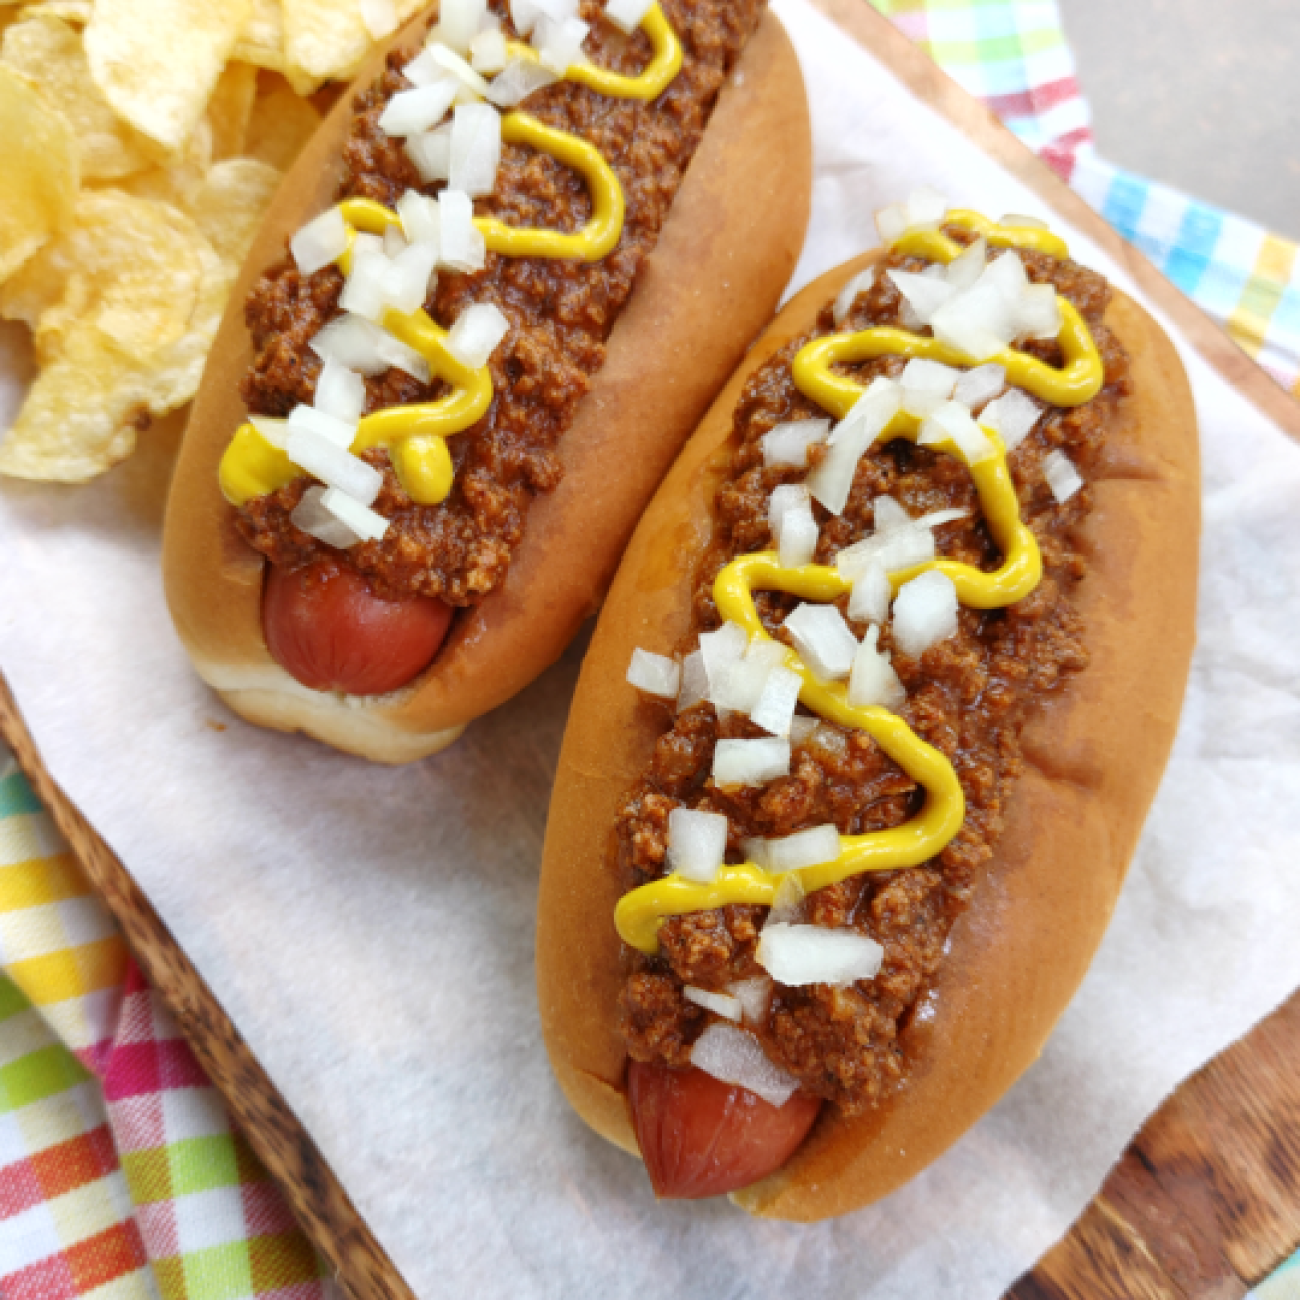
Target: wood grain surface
1203	1204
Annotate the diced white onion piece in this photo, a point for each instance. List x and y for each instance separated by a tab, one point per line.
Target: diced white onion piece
925	613
431	153
739	684
937	517
788	496
802	727
1019	221
926	208
721	1004
559	10
517	80
477	333
1007	273
353	342
412	112
488	53
953	421
924	294
823	640
869	600
1061	476
788	443
935	271
983	384
889	514
366	523
787	906
321	241
979	322
420	221
795	955
334	465
774	710
861	283
559	45
750	762
363	291
423	70
463	245
831	482
736	1056
1038	313
829	739
276	432
524	14
397	354
755	851
697	843
754	996
926	385
379	17
459	22
894	548
475	149
409	278
395	242
1011	417
340	392
695	681
339	432
795	529
966	268
808	848
891	222
655	674
722	649
451	62
312	517
627	14
873	680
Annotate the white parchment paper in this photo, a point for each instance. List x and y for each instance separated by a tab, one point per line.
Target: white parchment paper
370	931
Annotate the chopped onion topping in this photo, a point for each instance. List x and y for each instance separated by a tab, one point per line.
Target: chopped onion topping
889	514
475	149
353	342
754	996
517	80
774	710
695	681
979	322
409	278
722	649
463	245
558	10
379	17
869	600
755	851
366	523
750	762
967	267
1011	417
339	432
740	683
796	955
655	674
420	220
823	640
923	293
721	1004
697	843
953	421
796	531
736	1056
431	153
832	480
559	44
1038	313
321	241
395	353
422	70
1019	221
975	387
927	385
788	903
937	517
925	613
861	283
925	209
524	14
411	112
1061	476
451	62
786	497
829	738
477	333
488	54
899	542
874	681
808	848
276	432
312	517
459	21
802	727
627	15
788	444
335	466
340	392
363	291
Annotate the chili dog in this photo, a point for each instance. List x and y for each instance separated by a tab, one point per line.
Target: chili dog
871	720
524	255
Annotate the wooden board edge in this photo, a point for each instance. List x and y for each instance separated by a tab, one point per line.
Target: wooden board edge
319	1203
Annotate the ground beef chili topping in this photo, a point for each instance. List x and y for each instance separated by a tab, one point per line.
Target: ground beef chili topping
561	312
968	696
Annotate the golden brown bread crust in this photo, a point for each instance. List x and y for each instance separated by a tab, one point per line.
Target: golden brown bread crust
1093	759
723	258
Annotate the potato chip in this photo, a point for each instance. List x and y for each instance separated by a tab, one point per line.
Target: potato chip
323	38
281	124
179	181
230	109
229	206
157	61
39	170
261	40
48	51
71	11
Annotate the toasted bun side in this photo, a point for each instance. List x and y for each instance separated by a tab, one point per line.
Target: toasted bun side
722	261
1093	759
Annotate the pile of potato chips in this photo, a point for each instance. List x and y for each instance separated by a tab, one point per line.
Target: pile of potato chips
142	140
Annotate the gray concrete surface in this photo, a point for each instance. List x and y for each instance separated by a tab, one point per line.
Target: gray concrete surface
1202	94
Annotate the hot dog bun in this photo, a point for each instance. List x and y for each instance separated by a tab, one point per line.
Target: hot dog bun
723	257
1094	755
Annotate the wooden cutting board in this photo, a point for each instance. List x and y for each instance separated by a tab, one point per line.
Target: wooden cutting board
1203	1204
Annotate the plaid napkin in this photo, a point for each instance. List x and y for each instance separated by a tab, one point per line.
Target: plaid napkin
120	1173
